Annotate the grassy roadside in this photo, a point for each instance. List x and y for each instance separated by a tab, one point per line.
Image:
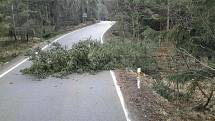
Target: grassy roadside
12	49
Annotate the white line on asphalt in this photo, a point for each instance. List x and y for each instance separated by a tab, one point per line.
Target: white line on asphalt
13	67
61	38
112	73
112	23
23	61
119	93
46	46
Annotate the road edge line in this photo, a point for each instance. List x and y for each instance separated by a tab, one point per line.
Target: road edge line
12	68
43	48
112	23
118	90
120	95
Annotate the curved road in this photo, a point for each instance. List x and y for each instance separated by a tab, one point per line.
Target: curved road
78	98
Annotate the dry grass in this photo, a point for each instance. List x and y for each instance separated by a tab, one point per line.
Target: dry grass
11	49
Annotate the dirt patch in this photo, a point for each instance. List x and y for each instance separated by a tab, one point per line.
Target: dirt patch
144	104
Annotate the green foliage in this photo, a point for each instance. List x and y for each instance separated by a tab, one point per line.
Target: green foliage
3	29
191	22
186	25
193	78
44	17
88	56
193	75
3	26
163	90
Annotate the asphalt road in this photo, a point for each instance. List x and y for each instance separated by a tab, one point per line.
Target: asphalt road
77	98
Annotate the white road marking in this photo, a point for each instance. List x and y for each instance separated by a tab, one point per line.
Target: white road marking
119	93
45	47
112	23
11	69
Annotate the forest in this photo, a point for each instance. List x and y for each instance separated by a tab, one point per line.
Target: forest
23	23
184	53
40	18
173	41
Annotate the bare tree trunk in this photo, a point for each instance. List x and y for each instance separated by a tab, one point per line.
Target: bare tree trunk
209	98
133	26
138	27
27	37
14	23
168	15
201	90
178	92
